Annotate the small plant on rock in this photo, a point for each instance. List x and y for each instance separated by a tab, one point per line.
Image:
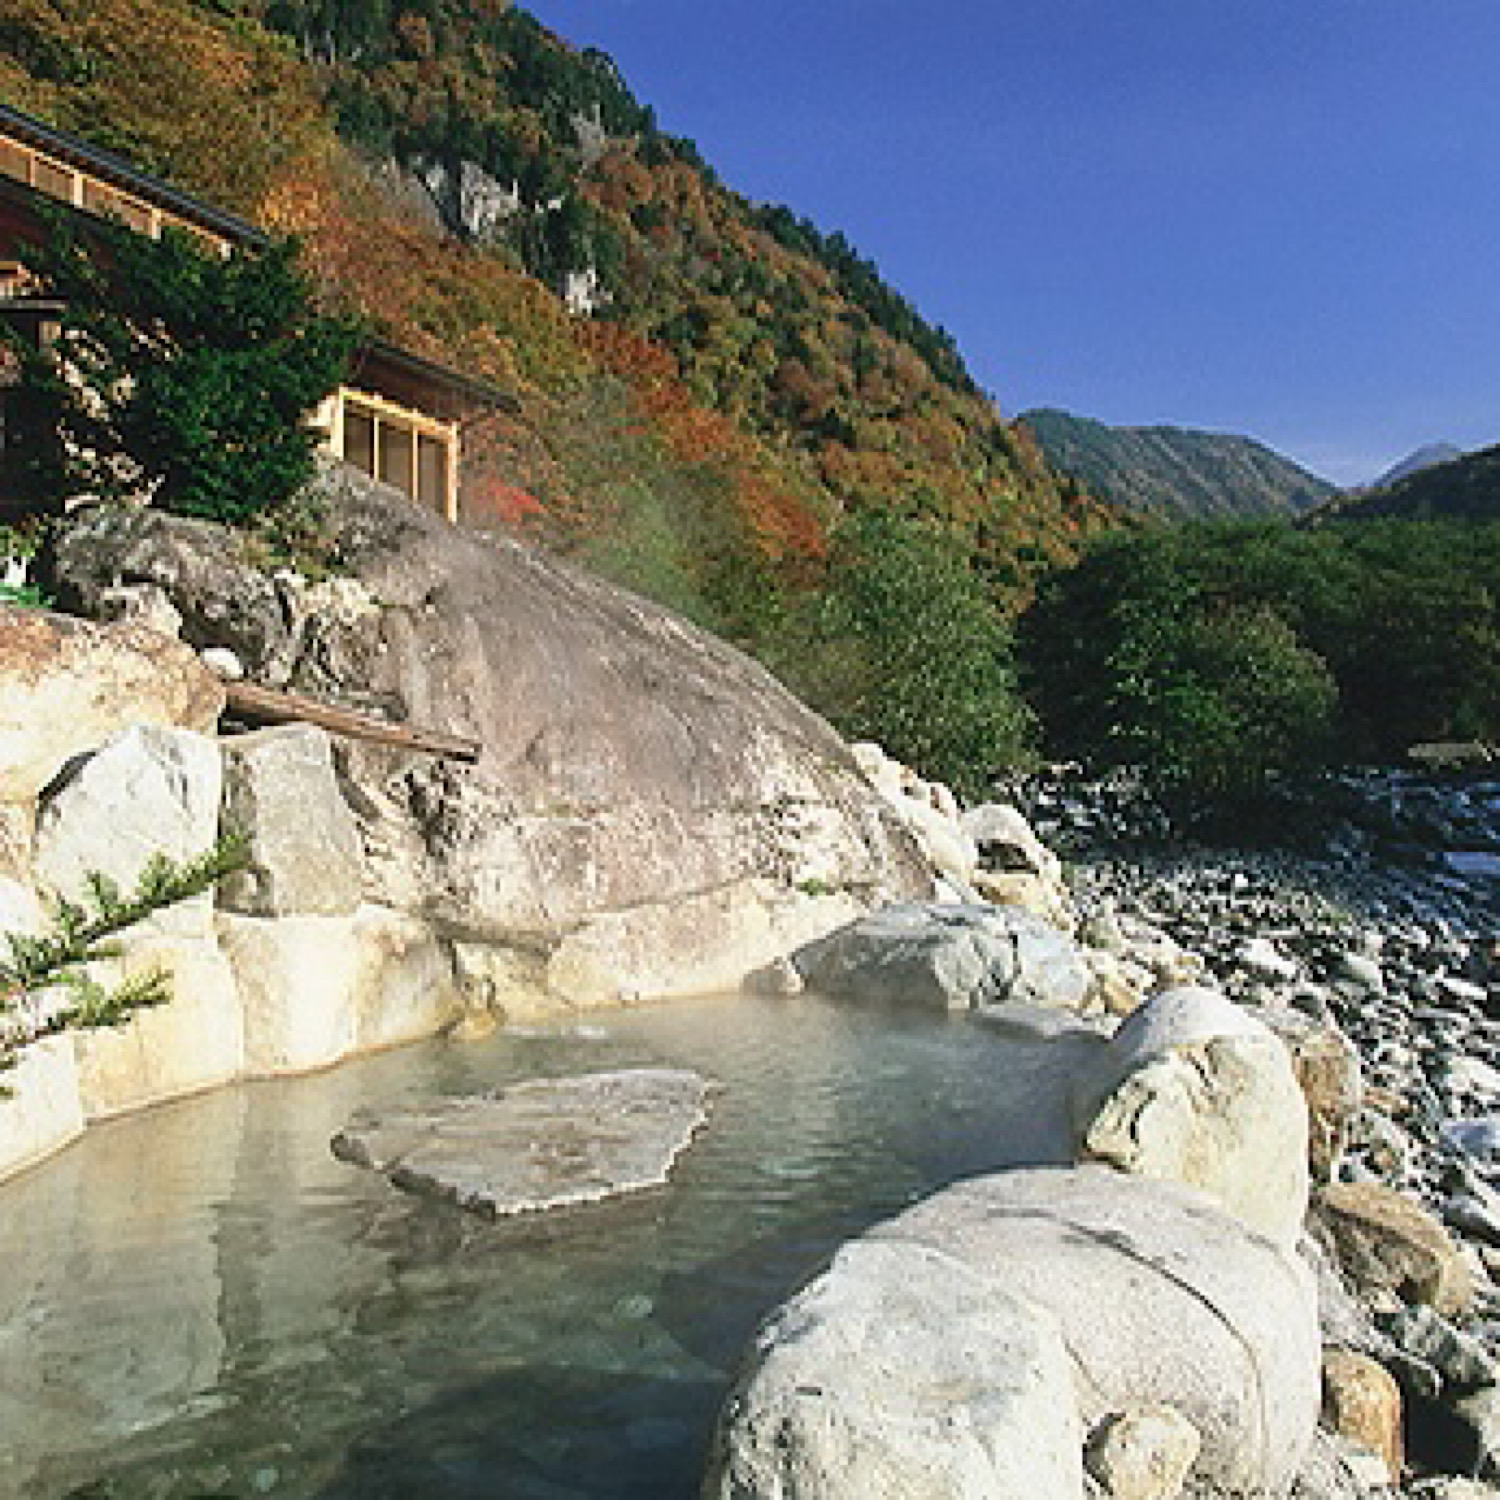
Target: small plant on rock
45	984
18	549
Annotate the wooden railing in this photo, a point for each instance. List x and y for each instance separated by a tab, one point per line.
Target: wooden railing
23	162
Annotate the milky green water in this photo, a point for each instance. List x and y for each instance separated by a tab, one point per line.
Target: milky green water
200	1301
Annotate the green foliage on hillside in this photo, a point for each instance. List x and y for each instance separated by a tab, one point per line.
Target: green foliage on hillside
786	331
1175	472
1213	655
56	965
907	649
447	82
175	371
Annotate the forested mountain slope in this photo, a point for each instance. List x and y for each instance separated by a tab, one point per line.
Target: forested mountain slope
1463	489
451	164
1173	471
731	412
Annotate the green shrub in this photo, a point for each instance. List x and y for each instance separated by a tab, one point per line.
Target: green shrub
907	650
79	936
1220	700
1213	655
176	372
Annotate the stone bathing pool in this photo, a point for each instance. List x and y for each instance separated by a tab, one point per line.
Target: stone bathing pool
200	1301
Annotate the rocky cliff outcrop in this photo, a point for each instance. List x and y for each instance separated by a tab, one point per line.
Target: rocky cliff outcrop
650	813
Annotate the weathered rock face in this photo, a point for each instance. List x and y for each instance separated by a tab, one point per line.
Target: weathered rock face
1194	1089
1161	1300
1391	1248
1144	1454
1327	1067
900	1374
547	1143
633	768
44	1112
317	989
305	857
66	685
108	782
1362	1402
937	957
147	791
205	574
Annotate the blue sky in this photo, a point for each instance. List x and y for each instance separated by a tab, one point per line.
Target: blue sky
1244	215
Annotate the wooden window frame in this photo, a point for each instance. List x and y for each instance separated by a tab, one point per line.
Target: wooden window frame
384	413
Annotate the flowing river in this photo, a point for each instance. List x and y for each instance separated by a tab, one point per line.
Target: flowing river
200	1301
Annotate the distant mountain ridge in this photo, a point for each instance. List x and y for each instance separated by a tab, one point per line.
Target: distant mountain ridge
1174	471
1463	489
1426	457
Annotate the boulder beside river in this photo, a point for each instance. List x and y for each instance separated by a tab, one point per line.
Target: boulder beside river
650	813
968	1347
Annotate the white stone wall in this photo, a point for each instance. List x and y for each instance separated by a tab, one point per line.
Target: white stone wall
292	970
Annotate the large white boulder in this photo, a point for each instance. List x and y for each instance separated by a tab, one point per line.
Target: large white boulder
1194	1089
1163	1299
17	826
67	685
628	763
1015	867
297	980
315	990
193	1041
929	811
404	984
44	1111
938	957
20	911
924	1362
148	791
901	1374
1006	841
305	857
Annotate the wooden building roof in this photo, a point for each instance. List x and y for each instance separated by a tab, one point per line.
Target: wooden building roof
96	184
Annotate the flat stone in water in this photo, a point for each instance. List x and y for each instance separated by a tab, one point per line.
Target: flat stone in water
546	1143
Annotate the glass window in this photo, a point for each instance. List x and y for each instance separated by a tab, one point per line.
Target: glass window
432	473
395	456
359	438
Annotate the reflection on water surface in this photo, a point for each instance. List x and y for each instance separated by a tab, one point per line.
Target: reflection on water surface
200	1301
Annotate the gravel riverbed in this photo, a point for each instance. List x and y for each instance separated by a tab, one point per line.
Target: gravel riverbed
1385	922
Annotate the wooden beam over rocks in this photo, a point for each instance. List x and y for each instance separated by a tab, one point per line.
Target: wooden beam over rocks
272	706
